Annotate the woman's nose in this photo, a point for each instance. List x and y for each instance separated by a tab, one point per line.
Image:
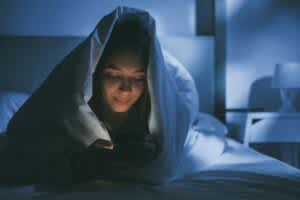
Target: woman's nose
125	84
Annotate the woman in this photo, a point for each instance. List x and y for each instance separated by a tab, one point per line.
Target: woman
121	102
120	81
54	149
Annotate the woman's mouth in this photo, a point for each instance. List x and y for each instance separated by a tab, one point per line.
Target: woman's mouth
121	101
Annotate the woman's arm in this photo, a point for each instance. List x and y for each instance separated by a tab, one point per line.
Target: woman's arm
129	151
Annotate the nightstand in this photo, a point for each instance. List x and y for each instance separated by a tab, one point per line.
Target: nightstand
274	127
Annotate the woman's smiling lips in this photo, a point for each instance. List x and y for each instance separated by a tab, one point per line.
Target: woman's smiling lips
121	100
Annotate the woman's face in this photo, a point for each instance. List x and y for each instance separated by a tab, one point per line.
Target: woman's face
123	80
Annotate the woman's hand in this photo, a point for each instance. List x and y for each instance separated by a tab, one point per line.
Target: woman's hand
127	152
103	144
137	151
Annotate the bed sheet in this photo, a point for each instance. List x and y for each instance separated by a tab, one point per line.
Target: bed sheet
240	173
243	159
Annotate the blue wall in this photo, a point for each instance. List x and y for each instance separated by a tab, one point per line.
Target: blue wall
78	17
260	33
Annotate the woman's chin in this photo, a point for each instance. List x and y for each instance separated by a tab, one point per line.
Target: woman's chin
120	109
120	106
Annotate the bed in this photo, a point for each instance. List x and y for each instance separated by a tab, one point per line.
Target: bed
239	173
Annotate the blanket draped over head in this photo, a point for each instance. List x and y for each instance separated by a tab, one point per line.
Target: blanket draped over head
57	117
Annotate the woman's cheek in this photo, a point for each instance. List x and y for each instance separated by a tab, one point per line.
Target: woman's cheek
108	90
110	87
139	90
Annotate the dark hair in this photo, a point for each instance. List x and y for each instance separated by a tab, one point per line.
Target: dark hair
129	34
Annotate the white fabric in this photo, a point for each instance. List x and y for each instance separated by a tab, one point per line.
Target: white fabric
241	159
174	115
190	140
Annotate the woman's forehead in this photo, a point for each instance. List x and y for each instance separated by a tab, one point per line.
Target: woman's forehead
125	60
123	67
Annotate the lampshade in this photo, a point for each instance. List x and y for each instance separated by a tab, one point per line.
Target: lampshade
286	75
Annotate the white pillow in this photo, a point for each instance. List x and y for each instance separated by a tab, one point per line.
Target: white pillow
10	102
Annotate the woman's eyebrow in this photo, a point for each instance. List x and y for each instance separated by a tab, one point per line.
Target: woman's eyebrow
114	67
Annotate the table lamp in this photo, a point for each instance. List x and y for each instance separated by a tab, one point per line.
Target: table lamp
287	78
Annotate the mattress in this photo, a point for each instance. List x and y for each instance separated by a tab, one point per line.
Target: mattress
239	173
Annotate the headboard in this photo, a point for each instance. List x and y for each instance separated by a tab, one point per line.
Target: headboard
26	61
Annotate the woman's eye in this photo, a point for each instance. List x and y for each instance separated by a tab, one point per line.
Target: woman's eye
112	76
116	78
139	79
